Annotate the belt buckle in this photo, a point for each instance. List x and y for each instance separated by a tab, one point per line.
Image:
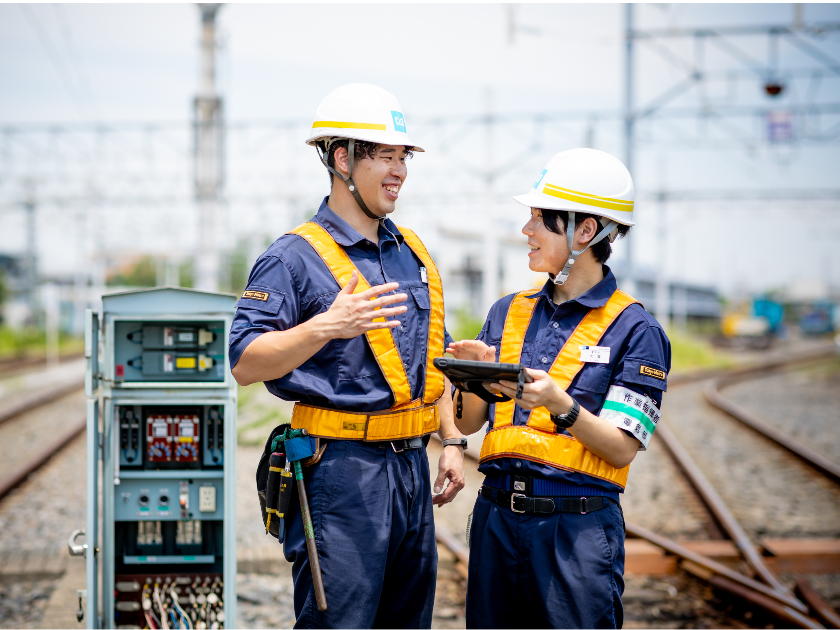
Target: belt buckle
583	504
512	498
395	448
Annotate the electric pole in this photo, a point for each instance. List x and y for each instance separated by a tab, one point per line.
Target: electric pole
629	124
209	154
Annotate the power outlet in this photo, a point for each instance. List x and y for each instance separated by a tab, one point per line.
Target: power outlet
207	499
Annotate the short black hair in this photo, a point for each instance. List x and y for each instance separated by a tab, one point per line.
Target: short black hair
361	149
602	250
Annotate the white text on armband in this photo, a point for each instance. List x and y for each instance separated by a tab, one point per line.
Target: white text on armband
631	411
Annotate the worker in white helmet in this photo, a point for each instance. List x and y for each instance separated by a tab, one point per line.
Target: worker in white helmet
344	315
547	535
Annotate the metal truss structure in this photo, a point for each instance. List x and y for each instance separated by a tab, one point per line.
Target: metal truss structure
114	190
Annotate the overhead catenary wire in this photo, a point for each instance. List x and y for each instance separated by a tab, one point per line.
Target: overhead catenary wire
64	74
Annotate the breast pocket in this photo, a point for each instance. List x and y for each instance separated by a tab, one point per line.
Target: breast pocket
421	298
594	378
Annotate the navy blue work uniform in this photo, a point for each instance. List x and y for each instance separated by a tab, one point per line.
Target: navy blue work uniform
371	506
563	569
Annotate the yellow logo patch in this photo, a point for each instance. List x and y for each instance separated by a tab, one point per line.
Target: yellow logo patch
649	371
262	296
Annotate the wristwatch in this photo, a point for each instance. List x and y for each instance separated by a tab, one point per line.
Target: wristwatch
462	441
565	420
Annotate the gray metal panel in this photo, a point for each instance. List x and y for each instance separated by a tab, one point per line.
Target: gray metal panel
92	371
110	479
127	507
92	524
170	300
229	560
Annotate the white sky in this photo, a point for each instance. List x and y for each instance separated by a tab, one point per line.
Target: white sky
125	62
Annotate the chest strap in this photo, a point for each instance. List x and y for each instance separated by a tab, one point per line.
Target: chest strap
539	441
435	342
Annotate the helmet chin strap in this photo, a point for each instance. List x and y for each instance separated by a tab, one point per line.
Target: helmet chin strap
570	238
351	155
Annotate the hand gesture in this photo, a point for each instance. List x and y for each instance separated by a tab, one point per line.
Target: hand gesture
472	350
353	314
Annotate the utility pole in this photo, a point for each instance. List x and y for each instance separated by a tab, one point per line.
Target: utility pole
490	269
31	256
209	154
629	129
662	300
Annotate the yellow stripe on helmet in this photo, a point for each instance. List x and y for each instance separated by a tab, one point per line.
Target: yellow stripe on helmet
589	200
335	124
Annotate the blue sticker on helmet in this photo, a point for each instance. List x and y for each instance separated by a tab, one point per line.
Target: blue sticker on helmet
399	121
537	183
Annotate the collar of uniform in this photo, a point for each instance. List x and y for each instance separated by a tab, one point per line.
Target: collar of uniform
595	297
345	234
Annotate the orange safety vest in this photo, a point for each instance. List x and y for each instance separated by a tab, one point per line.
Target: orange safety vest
407	418
539	440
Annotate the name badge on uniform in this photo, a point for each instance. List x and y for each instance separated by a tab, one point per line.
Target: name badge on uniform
424	275
595	354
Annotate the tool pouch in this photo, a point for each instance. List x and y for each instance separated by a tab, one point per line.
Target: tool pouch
309	448
277	526
278	488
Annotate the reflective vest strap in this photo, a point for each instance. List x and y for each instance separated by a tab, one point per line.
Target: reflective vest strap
435	348
344	425
556	450
567	364
381	341
518	318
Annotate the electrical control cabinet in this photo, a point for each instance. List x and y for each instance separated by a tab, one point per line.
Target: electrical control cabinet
167	351
159	378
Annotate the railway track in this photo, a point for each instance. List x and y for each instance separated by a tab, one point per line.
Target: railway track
10	366
51	433
802	608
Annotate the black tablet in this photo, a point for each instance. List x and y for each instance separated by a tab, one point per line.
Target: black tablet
469	376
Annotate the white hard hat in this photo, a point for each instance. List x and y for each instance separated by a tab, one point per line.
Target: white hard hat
586	181
358	111
363	112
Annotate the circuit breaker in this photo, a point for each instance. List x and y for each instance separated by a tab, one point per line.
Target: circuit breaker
158	376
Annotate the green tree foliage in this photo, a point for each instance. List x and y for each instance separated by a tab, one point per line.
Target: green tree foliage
142	273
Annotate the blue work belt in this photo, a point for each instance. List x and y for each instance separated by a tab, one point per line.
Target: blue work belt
534	495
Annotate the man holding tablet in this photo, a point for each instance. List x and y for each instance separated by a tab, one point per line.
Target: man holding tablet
547	536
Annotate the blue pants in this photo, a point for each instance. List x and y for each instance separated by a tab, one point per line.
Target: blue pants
372	514
558	570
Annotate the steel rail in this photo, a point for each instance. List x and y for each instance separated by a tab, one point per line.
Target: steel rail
712	566
37	399
15	363
816	603
757	369
775	598
809	456
40	458
718	508
781	604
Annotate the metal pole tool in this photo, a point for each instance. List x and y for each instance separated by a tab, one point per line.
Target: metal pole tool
298	447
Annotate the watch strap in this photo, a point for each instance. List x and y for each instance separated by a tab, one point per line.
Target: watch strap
462	442
565	420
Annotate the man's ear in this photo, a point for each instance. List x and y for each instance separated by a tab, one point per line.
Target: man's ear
341	164
586	231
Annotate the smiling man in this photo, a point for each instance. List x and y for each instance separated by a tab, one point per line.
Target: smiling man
344	315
